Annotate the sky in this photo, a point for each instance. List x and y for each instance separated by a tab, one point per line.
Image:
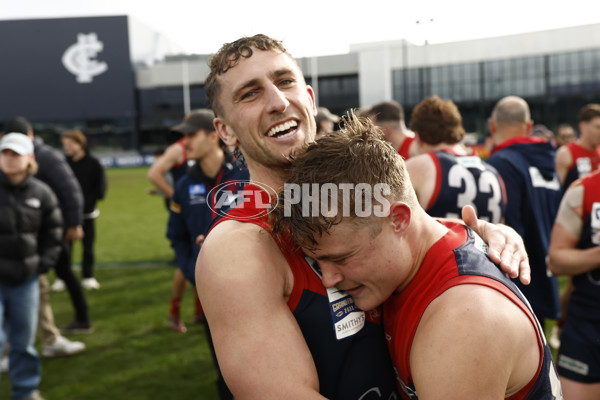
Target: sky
320	27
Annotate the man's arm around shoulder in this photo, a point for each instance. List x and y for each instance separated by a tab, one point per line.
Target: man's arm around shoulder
244	282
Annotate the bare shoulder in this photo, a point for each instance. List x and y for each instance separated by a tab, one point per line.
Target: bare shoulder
238	253
420	165
563	156
485	308
174	153
476	328
423	174
419	160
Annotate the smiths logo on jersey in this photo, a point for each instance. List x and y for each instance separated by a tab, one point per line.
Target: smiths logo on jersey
347	318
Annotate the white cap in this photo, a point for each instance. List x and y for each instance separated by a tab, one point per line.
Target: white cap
17	142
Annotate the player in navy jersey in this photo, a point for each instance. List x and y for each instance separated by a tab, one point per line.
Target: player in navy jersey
533	192
455	325
164	174
445	177
575	251
193	205
260	297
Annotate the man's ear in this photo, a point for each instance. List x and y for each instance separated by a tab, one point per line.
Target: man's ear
311	95
400	215
529	127
492	125
225	133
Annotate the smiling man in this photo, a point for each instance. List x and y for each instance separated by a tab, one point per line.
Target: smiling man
274	333
456	326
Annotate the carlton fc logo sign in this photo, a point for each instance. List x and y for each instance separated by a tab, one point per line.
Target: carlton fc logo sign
80	58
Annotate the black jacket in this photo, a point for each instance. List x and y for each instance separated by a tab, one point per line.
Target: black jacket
30	229
91	178
56	173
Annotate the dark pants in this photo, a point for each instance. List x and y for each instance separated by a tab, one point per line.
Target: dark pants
87	264
63	271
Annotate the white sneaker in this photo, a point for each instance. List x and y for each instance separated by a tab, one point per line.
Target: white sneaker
90	283
35	396
62	347
554	340
4	364
58	285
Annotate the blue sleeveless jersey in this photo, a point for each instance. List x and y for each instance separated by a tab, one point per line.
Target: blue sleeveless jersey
466	180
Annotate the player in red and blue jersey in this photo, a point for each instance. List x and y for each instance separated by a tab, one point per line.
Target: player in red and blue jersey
575	251
455	325
445	177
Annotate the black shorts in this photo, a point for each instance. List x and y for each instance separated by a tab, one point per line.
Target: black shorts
579	353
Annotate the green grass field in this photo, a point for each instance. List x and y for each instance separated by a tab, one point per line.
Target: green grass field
132	354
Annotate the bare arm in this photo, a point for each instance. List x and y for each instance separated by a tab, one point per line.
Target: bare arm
473	343
564	258
562	163
156	174
244	290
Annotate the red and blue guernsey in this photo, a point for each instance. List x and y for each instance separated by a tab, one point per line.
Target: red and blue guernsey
533	193
585	299
348	348
583	162
466	180
455	260
192	211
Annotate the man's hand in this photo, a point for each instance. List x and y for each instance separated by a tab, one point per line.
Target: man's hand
200	240
74	233
506	247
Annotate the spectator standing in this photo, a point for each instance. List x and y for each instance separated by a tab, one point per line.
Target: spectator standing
526	165
444	176
92	179
30	243
55	172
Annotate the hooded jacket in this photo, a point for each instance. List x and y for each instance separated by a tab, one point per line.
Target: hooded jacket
533	194
30	229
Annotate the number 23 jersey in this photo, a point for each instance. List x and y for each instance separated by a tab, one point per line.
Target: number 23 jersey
466	180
